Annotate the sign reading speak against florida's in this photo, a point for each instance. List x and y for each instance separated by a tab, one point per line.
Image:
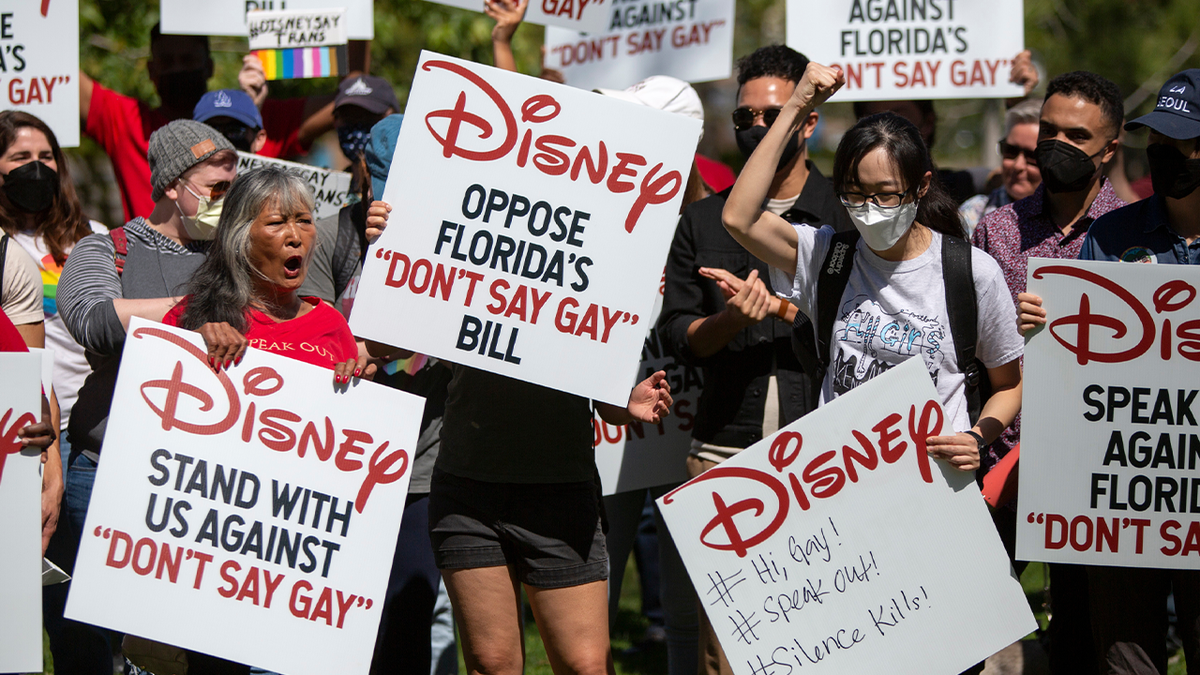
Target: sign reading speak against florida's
249	514
39	63
891	49
835	545
1110	449
228	17
21	524
536	222
583	15
688	39
331	188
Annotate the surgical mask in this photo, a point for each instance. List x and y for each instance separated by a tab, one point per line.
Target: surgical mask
31	187
748	140
353	139
1064	167
182	90
203	225
881	227
1172	173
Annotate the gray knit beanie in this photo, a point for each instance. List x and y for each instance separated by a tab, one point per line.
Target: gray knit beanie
179	146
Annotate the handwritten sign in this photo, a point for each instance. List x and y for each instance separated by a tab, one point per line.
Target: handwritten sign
537	220
838	545
688	39
297	28
1110	450
331	188
898	50
233	17
21	526
254	502
581	15
39	63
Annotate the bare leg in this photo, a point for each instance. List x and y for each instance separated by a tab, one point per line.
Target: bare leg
573	622
487	607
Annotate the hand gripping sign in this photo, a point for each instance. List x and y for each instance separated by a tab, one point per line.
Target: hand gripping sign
20	525
837	545
896	49
1110	449
530	226
250	514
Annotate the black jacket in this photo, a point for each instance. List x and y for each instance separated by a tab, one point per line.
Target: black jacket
731	407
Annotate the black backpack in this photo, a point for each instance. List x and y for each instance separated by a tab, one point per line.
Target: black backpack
811	342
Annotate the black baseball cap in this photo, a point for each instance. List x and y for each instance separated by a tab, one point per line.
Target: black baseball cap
1177	114
371	93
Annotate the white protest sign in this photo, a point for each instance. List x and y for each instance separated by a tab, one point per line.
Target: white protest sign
255	502
21	524
581	15
891	49
838	545
331	188
231	17
688	39
1110	450
296	28
537	218
39	63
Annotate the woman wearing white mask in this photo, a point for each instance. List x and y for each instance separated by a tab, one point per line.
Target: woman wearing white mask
894	305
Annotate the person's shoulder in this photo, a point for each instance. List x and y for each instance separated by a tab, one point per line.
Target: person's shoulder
18	262
1123	224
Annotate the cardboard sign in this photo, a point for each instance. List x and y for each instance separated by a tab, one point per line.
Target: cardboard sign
898	50
39	63
256	502
688	39
582	15
21	526
536	221
231	17
834	545
1110	449
297	28
331	188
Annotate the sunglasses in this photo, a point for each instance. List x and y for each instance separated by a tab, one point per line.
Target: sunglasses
1010	151
743	118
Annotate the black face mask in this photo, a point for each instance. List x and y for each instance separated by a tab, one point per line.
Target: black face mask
748	140
182	90
31	187
1172	173
1064	167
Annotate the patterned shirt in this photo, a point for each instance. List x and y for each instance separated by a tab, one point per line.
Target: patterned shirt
1013	234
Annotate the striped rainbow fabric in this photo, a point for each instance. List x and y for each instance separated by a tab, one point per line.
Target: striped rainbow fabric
303	62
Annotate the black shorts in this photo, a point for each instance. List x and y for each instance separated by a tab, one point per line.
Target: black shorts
550	533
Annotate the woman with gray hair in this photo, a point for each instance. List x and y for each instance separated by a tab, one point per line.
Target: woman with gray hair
1019	174
245	292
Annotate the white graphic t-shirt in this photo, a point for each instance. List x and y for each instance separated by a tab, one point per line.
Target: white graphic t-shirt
893	311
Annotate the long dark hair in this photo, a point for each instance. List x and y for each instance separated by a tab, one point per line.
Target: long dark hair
222	288
902	142
64	223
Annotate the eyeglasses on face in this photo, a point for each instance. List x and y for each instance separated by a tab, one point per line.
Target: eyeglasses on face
884	200
1010	152
743	118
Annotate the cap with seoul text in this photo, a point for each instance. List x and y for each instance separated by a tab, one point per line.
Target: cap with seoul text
368	92
1177	113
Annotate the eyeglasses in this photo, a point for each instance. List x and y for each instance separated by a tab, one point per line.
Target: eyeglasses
884	200
1010	152
743	118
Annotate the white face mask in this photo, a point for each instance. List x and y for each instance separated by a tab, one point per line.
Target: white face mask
203	225
881	228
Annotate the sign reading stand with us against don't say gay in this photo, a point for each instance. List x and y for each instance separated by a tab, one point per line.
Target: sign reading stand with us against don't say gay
837	545
530	226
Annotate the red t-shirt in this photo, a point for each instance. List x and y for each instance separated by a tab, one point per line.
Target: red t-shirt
10	339
717	175
321	337
122	126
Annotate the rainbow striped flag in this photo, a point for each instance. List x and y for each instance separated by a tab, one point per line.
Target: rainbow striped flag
303	62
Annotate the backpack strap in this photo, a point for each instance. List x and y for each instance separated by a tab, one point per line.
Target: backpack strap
120	248
3	258
811	341
963	311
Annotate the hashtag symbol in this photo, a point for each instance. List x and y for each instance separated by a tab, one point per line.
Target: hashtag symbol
722	587
744	629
